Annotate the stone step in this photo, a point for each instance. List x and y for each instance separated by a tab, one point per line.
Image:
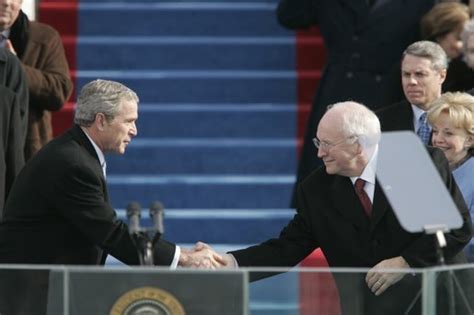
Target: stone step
193	191
205	156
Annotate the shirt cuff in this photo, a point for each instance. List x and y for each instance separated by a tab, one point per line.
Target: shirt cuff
177	253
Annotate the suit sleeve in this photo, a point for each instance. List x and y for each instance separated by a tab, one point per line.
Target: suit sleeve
421	252
82	202
294	243
49	82
297	14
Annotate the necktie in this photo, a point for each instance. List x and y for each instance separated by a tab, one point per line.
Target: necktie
364	199
424	131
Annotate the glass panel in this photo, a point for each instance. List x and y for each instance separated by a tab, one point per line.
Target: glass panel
454	290
57	290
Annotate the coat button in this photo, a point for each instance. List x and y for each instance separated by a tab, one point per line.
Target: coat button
349	75
378	78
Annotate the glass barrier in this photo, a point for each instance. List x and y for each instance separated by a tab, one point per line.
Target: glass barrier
59	290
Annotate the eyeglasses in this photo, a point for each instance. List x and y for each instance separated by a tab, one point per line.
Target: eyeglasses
327	145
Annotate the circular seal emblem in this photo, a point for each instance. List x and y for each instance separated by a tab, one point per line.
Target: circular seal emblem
147	301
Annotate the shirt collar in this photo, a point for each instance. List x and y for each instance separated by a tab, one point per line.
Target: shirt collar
99	152
417	112
368	174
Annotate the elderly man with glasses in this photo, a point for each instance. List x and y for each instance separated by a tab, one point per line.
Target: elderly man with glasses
342	209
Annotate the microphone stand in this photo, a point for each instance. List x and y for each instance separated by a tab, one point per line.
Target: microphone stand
144	240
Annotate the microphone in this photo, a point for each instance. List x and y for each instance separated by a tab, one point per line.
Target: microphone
156	213
133	216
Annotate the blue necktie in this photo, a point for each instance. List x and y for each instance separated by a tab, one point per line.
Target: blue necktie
424	131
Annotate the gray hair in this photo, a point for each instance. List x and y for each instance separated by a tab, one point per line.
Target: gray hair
101	96
360	122
468	32
429	50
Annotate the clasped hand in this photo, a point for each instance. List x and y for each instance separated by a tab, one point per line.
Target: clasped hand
202	256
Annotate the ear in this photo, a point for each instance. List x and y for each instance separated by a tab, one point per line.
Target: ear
469	142
100	121
442	75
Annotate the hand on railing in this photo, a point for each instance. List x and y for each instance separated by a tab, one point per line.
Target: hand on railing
378	280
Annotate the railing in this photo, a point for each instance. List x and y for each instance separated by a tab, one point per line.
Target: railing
137	290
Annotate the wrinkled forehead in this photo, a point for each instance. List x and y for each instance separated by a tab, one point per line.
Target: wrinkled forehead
331	125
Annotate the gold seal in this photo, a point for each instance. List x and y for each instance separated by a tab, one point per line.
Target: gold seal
147	301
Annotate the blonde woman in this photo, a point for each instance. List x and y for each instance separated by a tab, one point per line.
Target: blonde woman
452	119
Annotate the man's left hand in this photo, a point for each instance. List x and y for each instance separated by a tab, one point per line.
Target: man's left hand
379	281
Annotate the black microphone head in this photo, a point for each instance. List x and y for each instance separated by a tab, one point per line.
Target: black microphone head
133	215
155	207
133	208
156	213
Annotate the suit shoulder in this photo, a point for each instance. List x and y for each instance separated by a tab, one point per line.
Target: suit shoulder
318	178
389	109
42	33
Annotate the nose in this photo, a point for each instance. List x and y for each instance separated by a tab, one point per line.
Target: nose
436	139
412	80
134	130
321	152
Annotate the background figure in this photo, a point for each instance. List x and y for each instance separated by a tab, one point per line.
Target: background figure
364	41
463	68
452	118
423	72
41	52
13	77
11	142
444	24
355	226
14	118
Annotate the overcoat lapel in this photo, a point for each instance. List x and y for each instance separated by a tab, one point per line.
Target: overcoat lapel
380	205
80	137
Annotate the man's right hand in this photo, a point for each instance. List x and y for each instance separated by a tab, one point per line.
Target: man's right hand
202	256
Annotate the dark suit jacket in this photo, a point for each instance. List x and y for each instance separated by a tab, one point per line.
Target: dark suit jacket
398	116
11	142
58	211
13	77
330	216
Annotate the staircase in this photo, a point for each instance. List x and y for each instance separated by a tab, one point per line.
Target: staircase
221	96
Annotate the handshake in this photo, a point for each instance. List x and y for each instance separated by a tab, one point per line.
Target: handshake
202	256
